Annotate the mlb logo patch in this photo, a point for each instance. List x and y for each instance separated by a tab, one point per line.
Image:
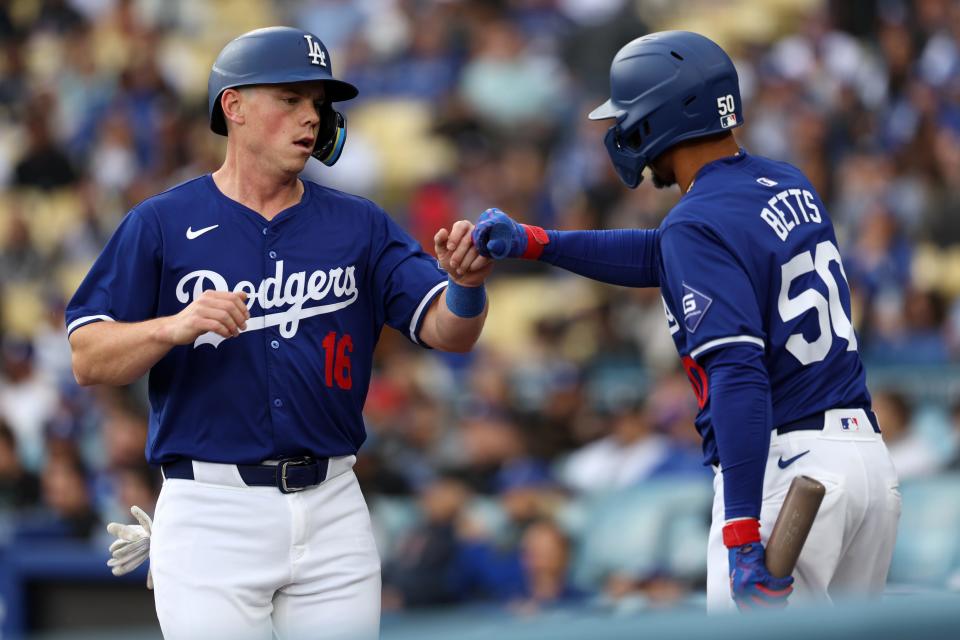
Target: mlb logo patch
695	305
849	424
729	120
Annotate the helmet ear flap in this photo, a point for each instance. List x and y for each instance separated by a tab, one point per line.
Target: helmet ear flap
331	135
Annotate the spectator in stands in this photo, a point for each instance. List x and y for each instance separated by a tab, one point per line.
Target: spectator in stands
505	83
45	164
67	506
20	261
27	399
59	16
631	453
19	489
13	81
545	562
627	592
526	577
124	427
879	261
527	493
422	573
922	338
912	454
953	465
137	484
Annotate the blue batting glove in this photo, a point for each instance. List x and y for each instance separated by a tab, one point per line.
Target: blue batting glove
498	236
751	584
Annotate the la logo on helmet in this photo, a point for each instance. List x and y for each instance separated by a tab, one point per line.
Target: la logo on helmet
316	54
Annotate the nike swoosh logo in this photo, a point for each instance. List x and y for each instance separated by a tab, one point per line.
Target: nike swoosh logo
783	464
191	234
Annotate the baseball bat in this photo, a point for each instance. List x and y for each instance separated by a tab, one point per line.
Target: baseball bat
793	525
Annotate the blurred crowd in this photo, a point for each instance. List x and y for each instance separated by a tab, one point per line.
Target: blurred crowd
473	462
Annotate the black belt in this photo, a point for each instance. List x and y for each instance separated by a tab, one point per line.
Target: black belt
816	421
288	475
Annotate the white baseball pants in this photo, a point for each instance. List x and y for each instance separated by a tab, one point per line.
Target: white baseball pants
851	543
239	562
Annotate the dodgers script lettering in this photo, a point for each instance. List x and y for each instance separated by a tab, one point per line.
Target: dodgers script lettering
296	289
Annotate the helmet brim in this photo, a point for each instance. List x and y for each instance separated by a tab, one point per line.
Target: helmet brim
334	91
606	111
338	90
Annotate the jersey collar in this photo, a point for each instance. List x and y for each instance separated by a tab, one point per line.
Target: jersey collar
286	214
719	163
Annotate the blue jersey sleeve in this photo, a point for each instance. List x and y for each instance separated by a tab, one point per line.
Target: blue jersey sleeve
124	281
718	313
625	257
708	289
741	413
406	279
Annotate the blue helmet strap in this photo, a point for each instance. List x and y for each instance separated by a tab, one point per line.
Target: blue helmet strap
331	135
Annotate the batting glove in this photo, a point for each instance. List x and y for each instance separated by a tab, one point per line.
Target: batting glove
132	545
499	236
751	584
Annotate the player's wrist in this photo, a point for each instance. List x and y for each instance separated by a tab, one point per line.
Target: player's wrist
537	241
164	331
741	531
465	301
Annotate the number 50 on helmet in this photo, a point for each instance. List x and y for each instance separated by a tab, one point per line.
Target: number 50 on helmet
666	87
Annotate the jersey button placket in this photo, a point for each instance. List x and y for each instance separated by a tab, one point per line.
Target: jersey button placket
270	335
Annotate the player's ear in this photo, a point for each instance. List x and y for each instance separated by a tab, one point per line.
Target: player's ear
231	102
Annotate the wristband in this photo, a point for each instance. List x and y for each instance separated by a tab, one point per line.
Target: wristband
465	302
739	532
537	239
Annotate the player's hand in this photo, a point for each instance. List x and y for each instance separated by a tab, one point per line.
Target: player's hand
751	584
499	236
458	257
222	312
132	545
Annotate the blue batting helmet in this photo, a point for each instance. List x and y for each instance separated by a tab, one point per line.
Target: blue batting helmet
279	55
664	88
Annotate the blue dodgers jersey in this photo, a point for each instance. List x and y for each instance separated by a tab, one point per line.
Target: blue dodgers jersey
322	277
749	256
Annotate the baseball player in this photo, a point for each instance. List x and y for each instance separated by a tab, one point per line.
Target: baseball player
255	299
758	306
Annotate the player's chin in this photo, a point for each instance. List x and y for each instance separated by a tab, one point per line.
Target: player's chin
297	160
661	183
